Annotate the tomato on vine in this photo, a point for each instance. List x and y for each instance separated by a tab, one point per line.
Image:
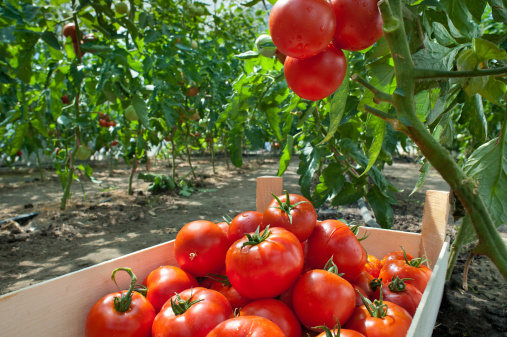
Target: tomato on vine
124	313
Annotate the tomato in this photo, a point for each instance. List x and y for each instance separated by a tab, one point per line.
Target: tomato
220	282
397	291
83	153
114	143
302	28
192	91
246	222
225	227
372	265
293	212
264	265
124	313
339	332
164	281
70	30
396	255
121	8
418	273
65	99
277	312
321	296
358	23
380	319
191	313
336	239
246	326
318	76
200	248
364	281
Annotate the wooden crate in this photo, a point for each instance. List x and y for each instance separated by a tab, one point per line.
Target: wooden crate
58	307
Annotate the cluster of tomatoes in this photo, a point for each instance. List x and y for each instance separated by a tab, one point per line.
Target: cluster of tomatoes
104	120
313	33
273	274
69	30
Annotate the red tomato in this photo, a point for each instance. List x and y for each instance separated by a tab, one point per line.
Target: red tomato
341	333
364	281
320	297
124	313
318	76
392	321
193	91
266	265
221	284
225	227
396	255
65	99
372	265
302	28
418	273
200	248
359	300
191	313
277	312
398	292
164	281
358	24
293	212
246	222
247	326
334	238
70	30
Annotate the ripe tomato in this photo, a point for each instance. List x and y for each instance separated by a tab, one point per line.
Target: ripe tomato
124	313
396	255
320	297
388	320
220	282
339	332
293	212
277	312
65	99
191	313
318	76
364	281
398	292
336	239
164	281
70	30
193	91
200	248
418	273
372	265
358	24
246	222
264	265
247	326
225	227
302	28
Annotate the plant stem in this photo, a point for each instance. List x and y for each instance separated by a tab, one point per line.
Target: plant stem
457	245
39	165
380	96
429	73
490	242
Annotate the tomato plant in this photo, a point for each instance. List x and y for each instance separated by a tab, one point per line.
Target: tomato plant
200	248
302	28
247	326
125	313
264	265
293	212
191	313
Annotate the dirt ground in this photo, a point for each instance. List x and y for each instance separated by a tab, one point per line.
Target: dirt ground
109	223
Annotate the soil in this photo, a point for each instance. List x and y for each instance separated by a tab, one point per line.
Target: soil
105	222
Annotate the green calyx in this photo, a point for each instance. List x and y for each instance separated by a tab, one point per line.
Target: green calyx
397	284
220	278
330	333
376	308
355	230
414	262
332	267
375	284
256	238
286	206
180	306
122	303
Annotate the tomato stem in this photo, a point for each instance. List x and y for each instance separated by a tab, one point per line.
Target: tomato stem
330	333
332	267
416	262
180	306
398	285
122	303
256	238
286	206
376	308
220	278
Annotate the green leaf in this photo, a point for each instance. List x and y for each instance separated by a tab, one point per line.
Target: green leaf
488	165
472	114
442	35
498	10
347	195
309	161
467	61
460	16
476	8
65	121
236	150
142	111
19	138
247	55
435	56
486	50
51	39
286	155
381	206
376	128
337	109
274	119
331	181
493	91
425	169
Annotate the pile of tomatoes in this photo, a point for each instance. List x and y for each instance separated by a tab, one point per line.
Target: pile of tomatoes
313	33
276	273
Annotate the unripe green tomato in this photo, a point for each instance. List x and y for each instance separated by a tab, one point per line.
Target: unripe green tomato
200	11
192	10
194	44
83	153
131	114
461	137
121	8
265	45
